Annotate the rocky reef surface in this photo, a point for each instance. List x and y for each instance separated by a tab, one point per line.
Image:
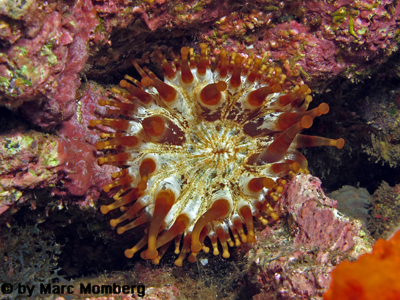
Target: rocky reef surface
59	58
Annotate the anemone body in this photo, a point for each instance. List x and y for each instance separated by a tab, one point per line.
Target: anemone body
205	151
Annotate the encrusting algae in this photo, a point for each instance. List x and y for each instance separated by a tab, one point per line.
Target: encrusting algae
205	151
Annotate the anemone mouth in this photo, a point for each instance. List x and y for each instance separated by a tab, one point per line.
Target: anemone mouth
221	140
207	151
222	150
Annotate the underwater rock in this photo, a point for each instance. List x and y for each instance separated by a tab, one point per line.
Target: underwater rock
44	49
31	160
28	160
294	260
385	211
39	68
314	41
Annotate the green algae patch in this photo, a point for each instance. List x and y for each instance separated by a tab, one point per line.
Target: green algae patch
51	57
9	196
51	158
31	157
17	144
16	9
4	82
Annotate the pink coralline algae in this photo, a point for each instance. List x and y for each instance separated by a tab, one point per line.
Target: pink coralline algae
317	39
31	159
85	176
45	46
296	264
154	15
28	160
39	67
34	160
313	40
315	223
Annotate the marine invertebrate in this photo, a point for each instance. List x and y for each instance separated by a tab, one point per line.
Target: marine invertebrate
353	202
207	150
373	276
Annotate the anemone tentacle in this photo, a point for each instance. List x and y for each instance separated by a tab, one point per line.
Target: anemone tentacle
205	151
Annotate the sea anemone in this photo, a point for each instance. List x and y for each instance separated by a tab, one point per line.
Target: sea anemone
204	151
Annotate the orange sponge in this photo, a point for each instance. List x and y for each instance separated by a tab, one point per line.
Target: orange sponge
372	276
